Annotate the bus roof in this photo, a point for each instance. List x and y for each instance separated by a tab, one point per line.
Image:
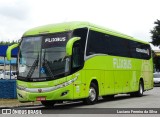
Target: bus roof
67	26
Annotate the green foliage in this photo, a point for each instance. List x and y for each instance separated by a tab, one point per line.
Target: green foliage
8	42
156	33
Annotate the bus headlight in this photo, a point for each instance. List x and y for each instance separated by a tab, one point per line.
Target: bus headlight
21	87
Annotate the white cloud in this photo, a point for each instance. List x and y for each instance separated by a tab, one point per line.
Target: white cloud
132	17
16	9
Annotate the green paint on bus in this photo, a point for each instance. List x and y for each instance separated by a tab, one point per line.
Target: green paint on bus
79	60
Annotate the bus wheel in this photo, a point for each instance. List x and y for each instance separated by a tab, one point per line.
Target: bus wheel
93	95
140	91
48	104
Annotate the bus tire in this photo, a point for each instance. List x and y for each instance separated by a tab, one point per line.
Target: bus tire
140	91
93	95
48	104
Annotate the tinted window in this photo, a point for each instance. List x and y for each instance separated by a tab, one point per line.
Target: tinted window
82	33
100	43
79	49
97	43
140	50
118	46
147	51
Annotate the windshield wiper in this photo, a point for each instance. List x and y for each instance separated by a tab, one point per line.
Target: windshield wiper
48	68
34	65
45	64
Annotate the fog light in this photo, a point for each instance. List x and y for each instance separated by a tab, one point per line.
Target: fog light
64	93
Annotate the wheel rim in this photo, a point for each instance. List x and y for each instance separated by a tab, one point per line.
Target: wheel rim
92	94
141	89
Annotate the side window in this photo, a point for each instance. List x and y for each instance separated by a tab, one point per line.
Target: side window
81	32
147	51
140	50
79	49
97	43
118	46
133	46
76	51
77	56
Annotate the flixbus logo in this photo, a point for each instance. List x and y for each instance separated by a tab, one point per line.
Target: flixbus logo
57	39
120	63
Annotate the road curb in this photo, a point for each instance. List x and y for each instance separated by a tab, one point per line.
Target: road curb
18	106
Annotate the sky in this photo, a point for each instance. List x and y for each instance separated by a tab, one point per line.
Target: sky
132	17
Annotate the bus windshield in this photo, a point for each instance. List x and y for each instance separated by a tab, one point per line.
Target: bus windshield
43	56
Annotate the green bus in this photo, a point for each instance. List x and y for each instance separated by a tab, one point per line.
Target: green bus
80	61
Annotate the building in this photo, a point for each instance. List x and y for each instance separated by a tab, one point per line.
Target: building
4	64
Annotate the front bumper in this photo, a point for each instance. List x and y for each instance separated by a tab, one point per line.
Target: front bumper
65	93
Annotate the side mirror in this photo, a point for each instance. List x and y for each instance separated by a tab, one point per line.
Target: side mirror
69	45
9	50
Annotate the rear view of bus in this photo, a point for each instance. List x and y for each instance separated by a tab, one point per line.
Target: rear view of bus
78	60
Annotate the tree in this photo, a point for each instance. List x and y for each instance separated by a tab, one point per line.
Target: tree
8	42
156	33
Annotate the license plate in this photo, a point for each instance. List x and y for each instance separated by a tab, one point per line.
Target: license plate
40	98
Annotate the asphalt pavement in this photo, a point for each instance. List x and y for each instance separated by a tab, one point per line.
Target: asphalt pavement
121	104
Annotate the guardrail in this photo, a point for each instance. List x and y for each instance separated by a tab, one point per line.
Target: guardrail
8	89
